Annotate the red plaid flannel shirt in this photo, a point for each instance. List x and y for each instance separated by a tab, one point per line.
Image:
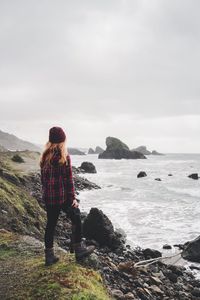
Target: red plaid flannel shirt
57	181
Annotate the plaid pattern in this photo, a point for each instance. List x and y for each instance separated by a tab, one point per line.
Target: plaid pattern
57	181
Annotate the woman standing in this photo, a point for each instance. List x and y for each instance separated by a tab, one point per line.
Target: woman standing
58	194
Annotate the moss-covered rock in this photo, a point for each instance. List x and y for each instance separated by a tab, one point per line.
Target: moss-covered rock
23	274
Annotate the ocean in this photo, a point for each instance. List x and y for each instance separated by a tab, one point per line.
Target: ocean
152	213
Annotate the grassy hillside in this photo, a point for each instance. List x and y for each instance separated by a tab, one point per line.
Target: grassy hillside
24	276
12	142
19	211
31	161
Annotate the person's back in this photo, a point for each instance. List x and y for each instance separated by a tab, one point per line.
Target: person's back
57	180
58	193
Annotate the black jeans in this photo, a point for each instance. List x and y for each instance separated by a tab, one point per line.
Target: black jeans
52	217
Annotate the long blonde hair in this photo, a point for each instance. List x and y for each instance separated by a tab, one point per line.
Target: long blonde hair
48	152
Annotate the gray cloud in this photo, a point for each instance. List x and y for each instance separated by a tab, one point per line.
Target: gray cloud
102	68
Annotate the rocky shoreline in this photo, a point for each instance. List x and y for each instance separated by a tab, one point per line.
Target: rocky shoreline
113	258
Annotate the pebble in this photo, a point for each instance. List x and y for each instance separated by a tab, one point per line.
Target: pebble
129	296
117	293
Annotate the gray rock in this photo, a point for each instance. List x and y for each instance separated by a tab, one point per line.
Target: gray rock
196	292
117	294
194	176
154	152
129	296
91	151
151	253
191	250
116	149
156	289
88	167
92	261
97	226
75	151
172	276
121	233
166	246
98	150
141	174
142	149
143	294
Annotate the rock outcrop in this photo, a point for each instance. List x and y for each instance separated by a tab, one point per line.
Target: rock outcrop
191	250
98	227
145	151
141	174
88	167
98	150
194	176
91	151
154	152
116	149
158	179
75	151
142	149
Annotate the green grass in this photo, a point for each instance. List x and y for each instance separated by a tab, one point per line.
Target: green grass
22	210
33	280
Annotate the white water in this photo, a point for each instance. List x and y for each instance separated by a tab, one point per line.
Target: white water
152	213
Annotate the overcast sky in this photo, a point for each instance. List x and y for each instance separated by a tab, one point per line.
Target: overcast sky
123	68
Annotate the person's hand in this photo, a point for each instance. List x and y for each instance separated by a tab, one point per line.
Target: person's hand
75	203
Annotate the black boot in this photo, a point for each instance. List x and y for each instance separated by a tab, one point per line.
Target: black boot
71	245
50	258
72	239
81	250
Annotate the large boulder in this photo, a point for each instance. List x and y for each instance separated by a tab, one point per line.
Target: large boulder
97	226
151	253
191	250
88	167
116	149
141	174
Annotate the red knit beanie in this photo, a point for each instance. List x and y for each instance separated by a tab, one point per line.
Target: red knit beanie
56	135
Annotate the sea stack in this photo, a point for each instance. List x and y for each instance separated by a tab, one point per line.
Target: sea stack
116	149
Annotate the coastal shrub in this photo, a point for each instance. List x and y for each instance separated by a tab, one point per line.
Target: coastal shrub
17	158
